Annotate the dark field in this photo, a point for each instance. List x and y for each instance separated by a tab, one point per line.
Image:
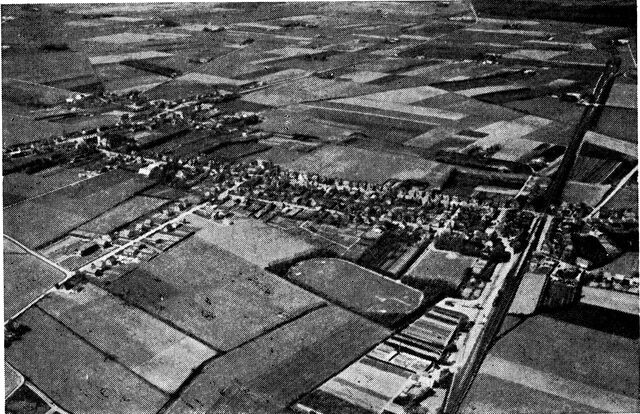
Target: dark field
212	294
441	266
42	220
25	401
358	289
278	368
598	370
20	186
75	375
25	278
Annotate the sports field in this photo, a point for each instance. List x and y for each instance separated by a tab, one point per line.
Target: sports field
356	288
441	266
252	240
157	352
25	278
278	368
212	294
75	375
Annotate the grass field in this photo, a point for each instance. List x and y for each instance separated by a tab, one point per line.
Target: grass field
212	294
359	164
41	220
356	288
75	375
158	353
441	266
25	278
278	368
33	94
252	240
122	214
12	379
22	186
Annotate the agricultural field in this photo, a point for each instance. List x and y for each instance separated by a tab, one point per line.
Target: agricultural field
157	352
358	289
42	220
252	240
25	277
76	375
19	186
600	373
256	375
25	400
212	294
441	267
577	192
357	164
12	379
122	214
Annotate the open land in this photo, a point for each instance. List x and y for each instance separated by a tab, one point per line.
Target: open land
326	339
76	375
356	288
25	277
212	294
252	240
122	214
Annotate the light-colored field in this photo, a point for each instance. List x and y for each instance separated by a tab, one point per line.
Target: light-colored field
530	33
12	379
528	294
363	76
367	386
403	96
84	23
624	147
515	149
537	54
75	375
125	19
198	27
576	192
584	46
127	37
610	299
488	89
160	354
581	393
404	108
504	132
252	240
25	278
624	95
258	25
146	54
486	20
415	37
373	166
281	75
210	79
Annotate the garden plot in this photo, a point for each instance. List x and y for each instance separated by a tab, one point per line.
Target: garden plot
158	353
